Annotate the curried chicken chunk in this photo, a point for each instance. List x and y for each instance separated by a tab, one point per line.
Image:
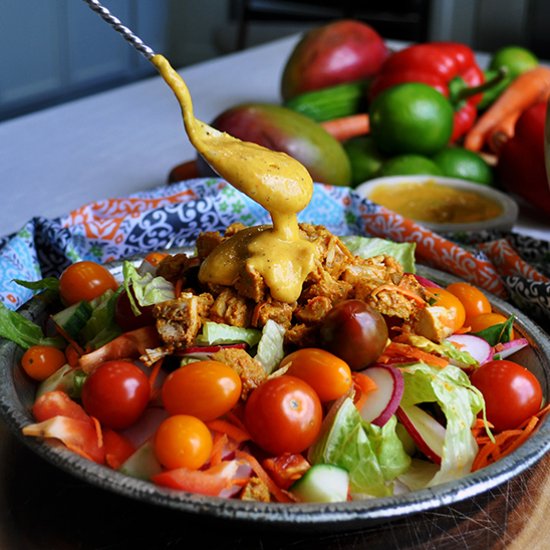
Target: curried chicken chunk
251	373
256	490
178	321
231	309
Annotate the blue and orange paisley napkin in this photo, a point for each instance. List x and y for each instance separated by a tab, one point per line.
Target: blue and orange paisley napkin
509	265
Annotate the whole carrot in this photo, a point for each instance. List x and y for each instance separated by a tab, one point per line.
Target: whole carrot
345	128
527	89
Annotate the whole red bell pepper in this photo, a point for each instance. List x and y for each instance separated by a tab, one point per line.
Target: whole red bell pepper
521	167
449	67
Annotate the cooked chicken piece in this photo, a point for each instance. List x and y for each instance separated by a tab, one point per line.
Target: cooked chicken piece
176	266
179	321
321	283
302	335
231	309
314	311
280	312
433	322
256	490
251	373
251	284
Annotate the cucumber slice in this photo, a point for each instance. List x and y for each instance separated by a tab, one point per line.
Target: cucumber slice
143	464
72	319
322	483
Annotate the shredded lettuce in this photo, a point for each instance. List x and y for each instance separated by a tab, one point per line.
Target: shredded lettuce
101	327
270	350
372	456
219	333
460	402
16	327
446	349
367	247
146	288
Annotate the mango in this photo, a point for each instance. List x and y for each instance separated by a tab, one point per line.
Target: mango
342	51
281	129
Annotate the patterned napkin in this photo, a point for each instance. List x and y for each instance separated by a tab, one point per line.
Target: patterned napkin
511	266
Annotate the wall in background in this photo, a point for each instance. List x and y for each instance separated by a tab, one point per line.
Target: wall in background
58	50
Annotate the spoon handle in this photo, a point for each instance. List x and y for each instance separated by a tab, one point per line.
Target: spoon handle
127	34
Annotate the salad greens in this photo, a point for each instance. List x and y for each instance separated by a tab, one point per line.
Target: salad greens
459	401
368	247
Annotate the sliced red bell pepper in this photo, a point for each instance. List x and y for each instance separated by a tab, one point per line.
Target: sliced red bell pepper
449	67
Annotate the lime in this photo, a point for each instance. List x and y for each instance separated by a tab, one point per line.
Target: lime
515	59
411	118
456	162
364	157
409	165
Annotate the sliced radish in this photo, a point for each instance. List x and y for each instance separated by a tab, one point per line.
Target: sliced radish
382	402
427	433
477	347
426	283
505	349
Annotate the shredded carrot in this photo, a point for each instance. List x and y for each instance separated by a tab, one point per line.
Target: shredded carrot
234	432
363	385
543	411
347	127
505	442
405	292
274	489
527	89
400	352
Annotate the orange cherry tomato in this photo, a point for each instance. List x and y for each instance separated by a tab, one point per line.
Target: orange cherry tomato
183	441
443	298
327	374
85	281
283	415
205	389
474	301
39	362
486	320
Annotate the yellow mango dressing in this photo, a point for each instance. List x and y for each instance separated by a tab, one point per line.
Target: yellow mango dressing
429	201
274	180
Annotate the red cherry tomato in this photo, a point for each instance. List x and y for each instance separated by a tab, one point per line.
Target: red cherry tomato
474	301
116	393
39	362
327	374
85	281
183	441
512	393
205	389
283	414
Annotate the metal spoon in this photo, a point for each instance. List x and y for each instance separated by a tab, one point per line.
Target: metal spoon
126	33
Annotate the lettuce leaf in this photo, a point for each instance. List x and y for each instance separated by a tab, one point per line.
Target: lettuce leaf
220	333
16	327
367	247
270	350
372	456
460	402
101	326
146	288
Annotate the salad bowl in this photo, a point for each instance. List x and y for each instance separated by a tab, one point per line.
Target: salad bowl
17	395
